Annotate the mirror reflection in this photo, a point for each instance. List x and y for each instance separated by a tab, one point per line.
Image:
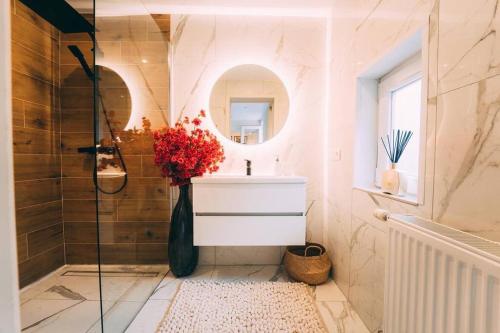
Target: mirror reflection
115	107
249	104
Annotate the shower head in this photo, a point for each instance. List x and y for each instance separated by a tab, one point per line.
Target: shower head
67	20
61	15
79	55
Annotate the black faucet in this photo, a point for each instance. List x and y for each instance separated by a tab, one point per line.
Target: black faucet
249	167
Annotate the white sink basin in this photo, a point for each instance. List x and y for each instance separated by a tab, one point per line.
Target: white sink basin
243	179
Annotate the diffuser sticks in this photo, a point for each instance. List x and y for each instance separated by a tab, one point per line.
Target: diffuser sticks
396	144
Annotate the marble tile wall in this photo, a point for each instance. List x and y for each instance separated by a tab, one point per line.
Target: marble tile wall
205	46
134	223
467	175
137	48
463	133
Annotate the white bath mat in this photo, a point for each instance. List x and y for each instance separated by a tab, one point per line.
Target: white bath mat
241	306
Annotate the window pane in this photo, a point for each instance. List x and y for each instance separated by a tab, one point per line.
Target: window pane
405	115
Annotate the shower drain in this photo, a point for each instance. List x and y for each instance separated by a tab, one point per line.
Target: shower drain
110	273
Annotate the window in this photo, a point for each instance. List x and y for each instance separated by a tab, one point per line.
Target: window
399	106
391	93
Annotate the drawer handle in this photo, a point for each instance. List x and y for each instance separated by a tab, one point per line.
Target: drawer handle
251	214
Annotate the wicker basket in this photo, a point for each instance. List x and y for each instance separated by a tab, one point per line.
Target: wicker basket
309	263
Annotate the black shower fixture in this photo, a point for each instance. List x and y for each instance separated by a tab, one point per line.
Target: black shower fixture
67	20
79	55
92	150
61	15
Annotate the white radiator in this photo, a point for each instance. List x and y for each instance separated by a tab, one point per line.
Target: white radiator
439	280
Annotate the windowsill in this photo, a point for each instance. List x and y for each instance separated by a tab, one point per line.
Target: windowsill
407	198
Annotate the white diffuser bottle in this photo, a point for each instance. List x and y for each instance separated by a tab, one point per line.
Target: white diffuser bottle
390	180
394	146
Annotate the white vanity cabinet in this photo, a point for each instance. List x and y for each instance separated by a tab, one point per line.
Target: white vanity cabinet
249	210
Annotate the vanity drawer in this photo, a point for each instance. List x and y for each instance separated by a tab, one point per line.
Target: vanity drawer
249	230
262	198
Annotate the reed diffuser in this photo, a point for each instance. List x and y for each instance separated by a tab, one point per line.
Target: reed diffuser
394	146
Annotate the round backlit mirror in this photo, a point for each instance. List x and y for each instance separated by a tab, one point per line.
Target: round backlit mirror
249	104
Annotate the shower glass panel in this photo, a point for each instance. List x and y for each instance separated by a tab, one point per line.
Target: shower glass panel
132	99
80	211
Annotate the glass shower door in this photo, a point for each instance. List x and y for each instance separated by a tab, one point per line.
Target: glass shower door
132	99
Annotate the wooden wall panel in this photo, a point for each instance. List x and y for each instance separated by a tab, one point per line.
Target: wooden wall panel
127	254
38	217
45	239
122	232
37	191
29	34
36	136
34	141
47	166
40	265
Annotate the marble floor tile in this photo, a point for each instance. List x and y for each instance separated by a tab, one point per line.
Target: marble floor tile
148	319
34	311
118	317
201	272
281	275
88	287
339	317
75	319
49	304
141	289
30	291
167	288
329	292
252	273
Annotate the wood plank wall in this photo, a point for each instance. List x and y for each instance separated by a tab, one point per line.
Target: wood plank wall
36	134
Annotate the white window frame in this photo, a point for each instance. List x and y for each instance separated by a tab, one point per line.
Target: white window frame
406	73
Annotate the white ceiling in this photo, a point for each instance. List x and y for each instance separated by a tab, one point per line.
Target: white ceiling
248	113
299	8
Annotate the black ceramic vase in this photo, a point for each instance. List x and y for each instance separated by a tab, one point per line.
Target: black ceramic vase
182	255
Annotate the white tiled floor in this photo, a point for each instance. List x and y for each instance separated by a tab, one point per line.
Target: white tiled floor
69	302
333	307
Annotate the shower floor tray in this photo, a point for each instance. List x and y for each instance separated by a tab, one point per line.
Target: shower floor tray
68	300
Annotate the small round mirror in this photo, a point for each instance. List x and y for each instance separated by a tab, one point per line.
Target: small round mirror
249	104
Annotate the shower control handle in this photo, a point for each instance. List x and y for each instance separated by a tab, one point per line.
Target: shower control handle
93	150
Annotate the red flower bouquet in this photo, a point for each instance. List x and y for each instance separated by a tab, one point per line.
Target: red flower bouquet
183	152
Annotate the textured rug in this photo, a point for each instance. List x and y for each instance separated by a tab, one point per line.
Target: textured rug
241	306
